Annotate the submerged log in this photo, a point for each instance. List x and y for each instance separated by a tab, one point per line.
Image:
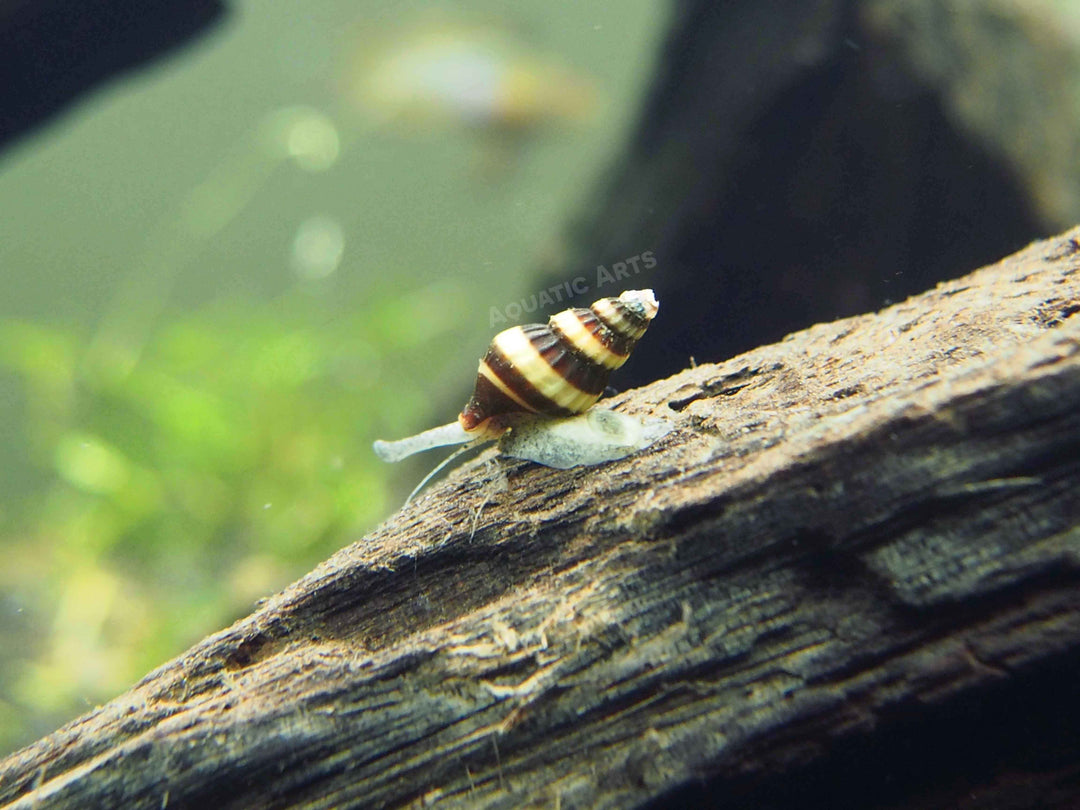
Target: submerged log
855	557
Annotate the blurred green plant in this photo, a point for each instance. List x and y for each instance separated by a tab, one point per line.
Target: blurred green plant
176	490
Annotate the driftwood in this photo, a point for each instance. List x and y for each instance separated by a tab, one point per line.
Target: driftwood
854	560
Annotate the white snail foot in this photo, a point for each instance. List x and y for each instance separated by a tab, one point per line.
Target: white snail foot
593	437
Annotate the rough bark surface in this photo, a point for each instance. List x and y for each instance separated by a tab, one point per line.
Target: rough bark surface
859	548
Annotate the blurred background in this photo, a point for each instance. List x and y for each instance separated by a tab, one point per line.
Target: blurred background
240	241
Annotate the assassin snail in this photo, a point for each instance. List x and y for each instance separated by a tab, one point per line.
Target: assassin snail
536	376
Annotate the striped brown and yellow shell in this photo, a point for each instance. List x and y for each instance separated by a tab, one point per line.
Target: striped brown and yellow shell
559	368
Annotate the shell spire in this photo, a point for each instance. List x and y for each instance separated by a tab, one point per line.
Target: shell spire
559	368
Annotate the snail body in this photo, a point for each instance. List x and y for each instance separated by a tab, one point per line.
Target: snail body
536	373
593	437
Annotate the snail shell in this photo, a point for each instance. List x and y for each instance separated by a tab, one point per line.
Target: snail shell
559	368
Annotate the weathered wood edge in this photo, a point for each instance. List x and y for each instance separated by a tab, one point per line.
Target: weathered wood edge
874	513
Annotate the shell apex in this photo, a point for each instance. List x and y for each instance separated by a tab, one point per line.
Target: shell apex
645	299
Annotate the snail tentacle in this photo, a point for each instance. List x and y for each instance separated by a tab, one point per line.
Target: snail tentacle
440	436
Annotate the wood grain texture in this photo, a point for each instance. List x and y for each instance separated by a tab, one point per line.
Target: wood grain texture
872	525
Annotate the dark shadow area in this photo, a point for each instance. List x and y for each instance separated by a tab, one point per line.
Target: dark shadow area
54	51
788	168
837	202
1011	746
